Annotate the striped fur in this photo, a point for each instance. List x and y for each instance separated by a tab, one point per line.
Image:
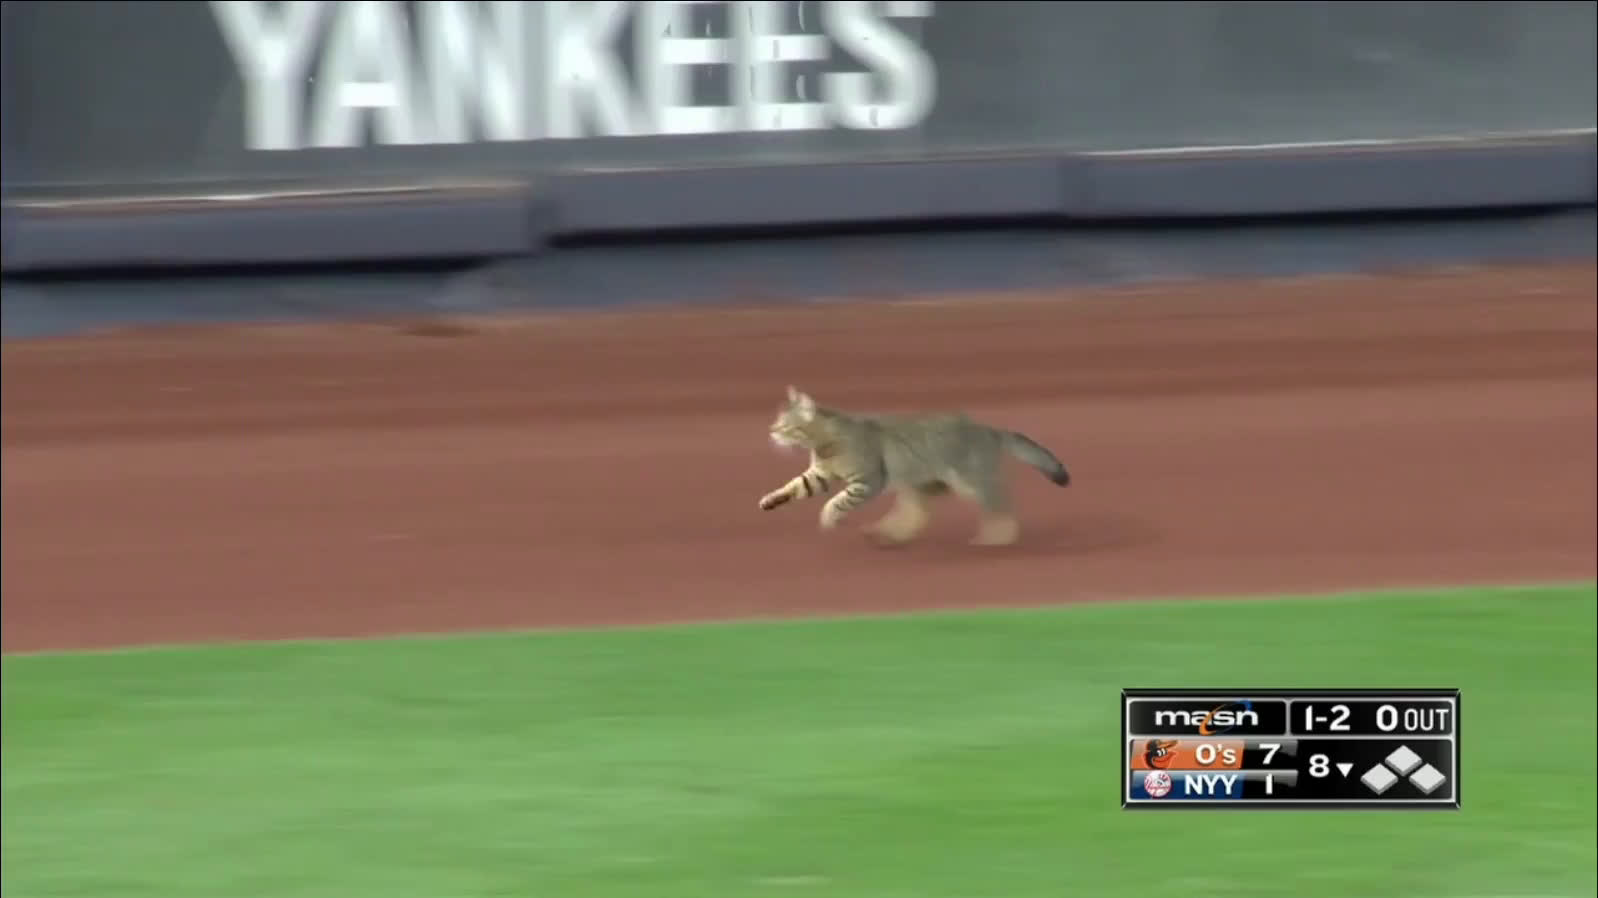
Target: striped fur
913	457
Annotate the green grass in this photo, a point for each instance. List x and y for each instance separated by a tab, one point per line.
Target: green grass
914	757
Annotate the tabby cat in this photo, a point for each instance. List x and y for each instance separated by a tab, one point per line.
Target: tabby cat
915	457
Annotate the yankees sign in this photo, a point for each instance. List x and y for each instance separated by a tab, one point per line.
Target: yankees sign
344	74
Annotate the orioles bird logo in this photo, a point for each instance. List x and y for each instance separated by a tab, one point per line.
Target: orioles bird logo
1158	753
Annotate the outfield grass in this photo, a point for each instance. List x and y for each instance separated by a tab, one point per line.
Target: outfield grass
941	755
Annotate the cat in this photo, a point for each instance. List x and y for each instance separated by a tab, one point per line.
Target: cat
915	457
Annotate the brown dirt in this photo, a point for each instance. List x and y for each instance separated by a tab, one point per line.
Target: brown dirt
1225	438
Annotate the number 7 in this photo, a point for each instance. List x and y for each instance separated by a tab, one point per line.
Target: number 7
1271	748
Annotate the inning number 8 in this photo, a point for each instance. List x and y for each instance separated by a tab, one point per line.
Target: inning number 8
1319	765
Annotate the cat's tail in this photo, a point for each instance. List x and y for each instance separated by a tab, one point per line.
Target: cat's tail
1030	451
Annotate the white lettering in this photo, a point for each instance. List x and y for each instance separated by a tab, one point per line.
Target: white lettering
764	49
366	76
272	58
663	60
1425	720
342	74
1206	783
906	70
584	72
476	68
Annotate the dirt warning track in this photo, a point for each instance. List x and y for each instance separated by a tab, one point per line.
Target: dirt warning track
363	479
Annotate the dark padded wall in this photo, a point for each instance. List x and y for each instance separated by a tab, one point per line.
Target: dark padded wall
915	109
168	102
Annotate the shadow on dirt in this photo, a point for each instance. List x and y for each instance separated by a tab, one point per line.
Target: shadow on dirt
1063	537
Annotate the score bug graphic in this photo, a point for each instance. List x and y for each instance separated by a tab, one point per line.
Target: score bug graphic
1265	748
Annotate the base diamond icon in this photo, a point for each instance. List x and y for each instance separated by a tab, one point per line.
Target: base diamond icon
1378	779
1427	779
1403	760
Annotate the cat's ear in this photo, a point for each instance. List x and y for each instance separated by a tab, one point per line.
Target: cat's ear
801	402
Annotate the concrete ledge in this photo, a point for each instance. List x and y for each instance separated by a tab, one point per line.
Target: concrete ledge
1421	175
315	225
434	220
806	195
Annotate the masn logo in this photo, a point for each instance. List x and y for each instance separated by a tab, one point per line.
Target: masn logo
1216	721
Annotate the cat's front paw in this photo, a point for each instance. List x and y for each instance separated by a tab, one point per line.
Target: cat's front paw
830	516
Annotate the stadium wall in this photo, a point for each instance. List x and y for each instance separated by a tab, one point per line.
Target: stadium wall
188	133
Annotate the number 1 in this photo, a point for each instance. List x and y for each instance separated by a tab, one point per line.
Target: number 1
1270	784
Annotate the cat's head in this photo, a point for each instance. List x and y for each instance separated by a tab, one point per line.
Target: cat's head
800	423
